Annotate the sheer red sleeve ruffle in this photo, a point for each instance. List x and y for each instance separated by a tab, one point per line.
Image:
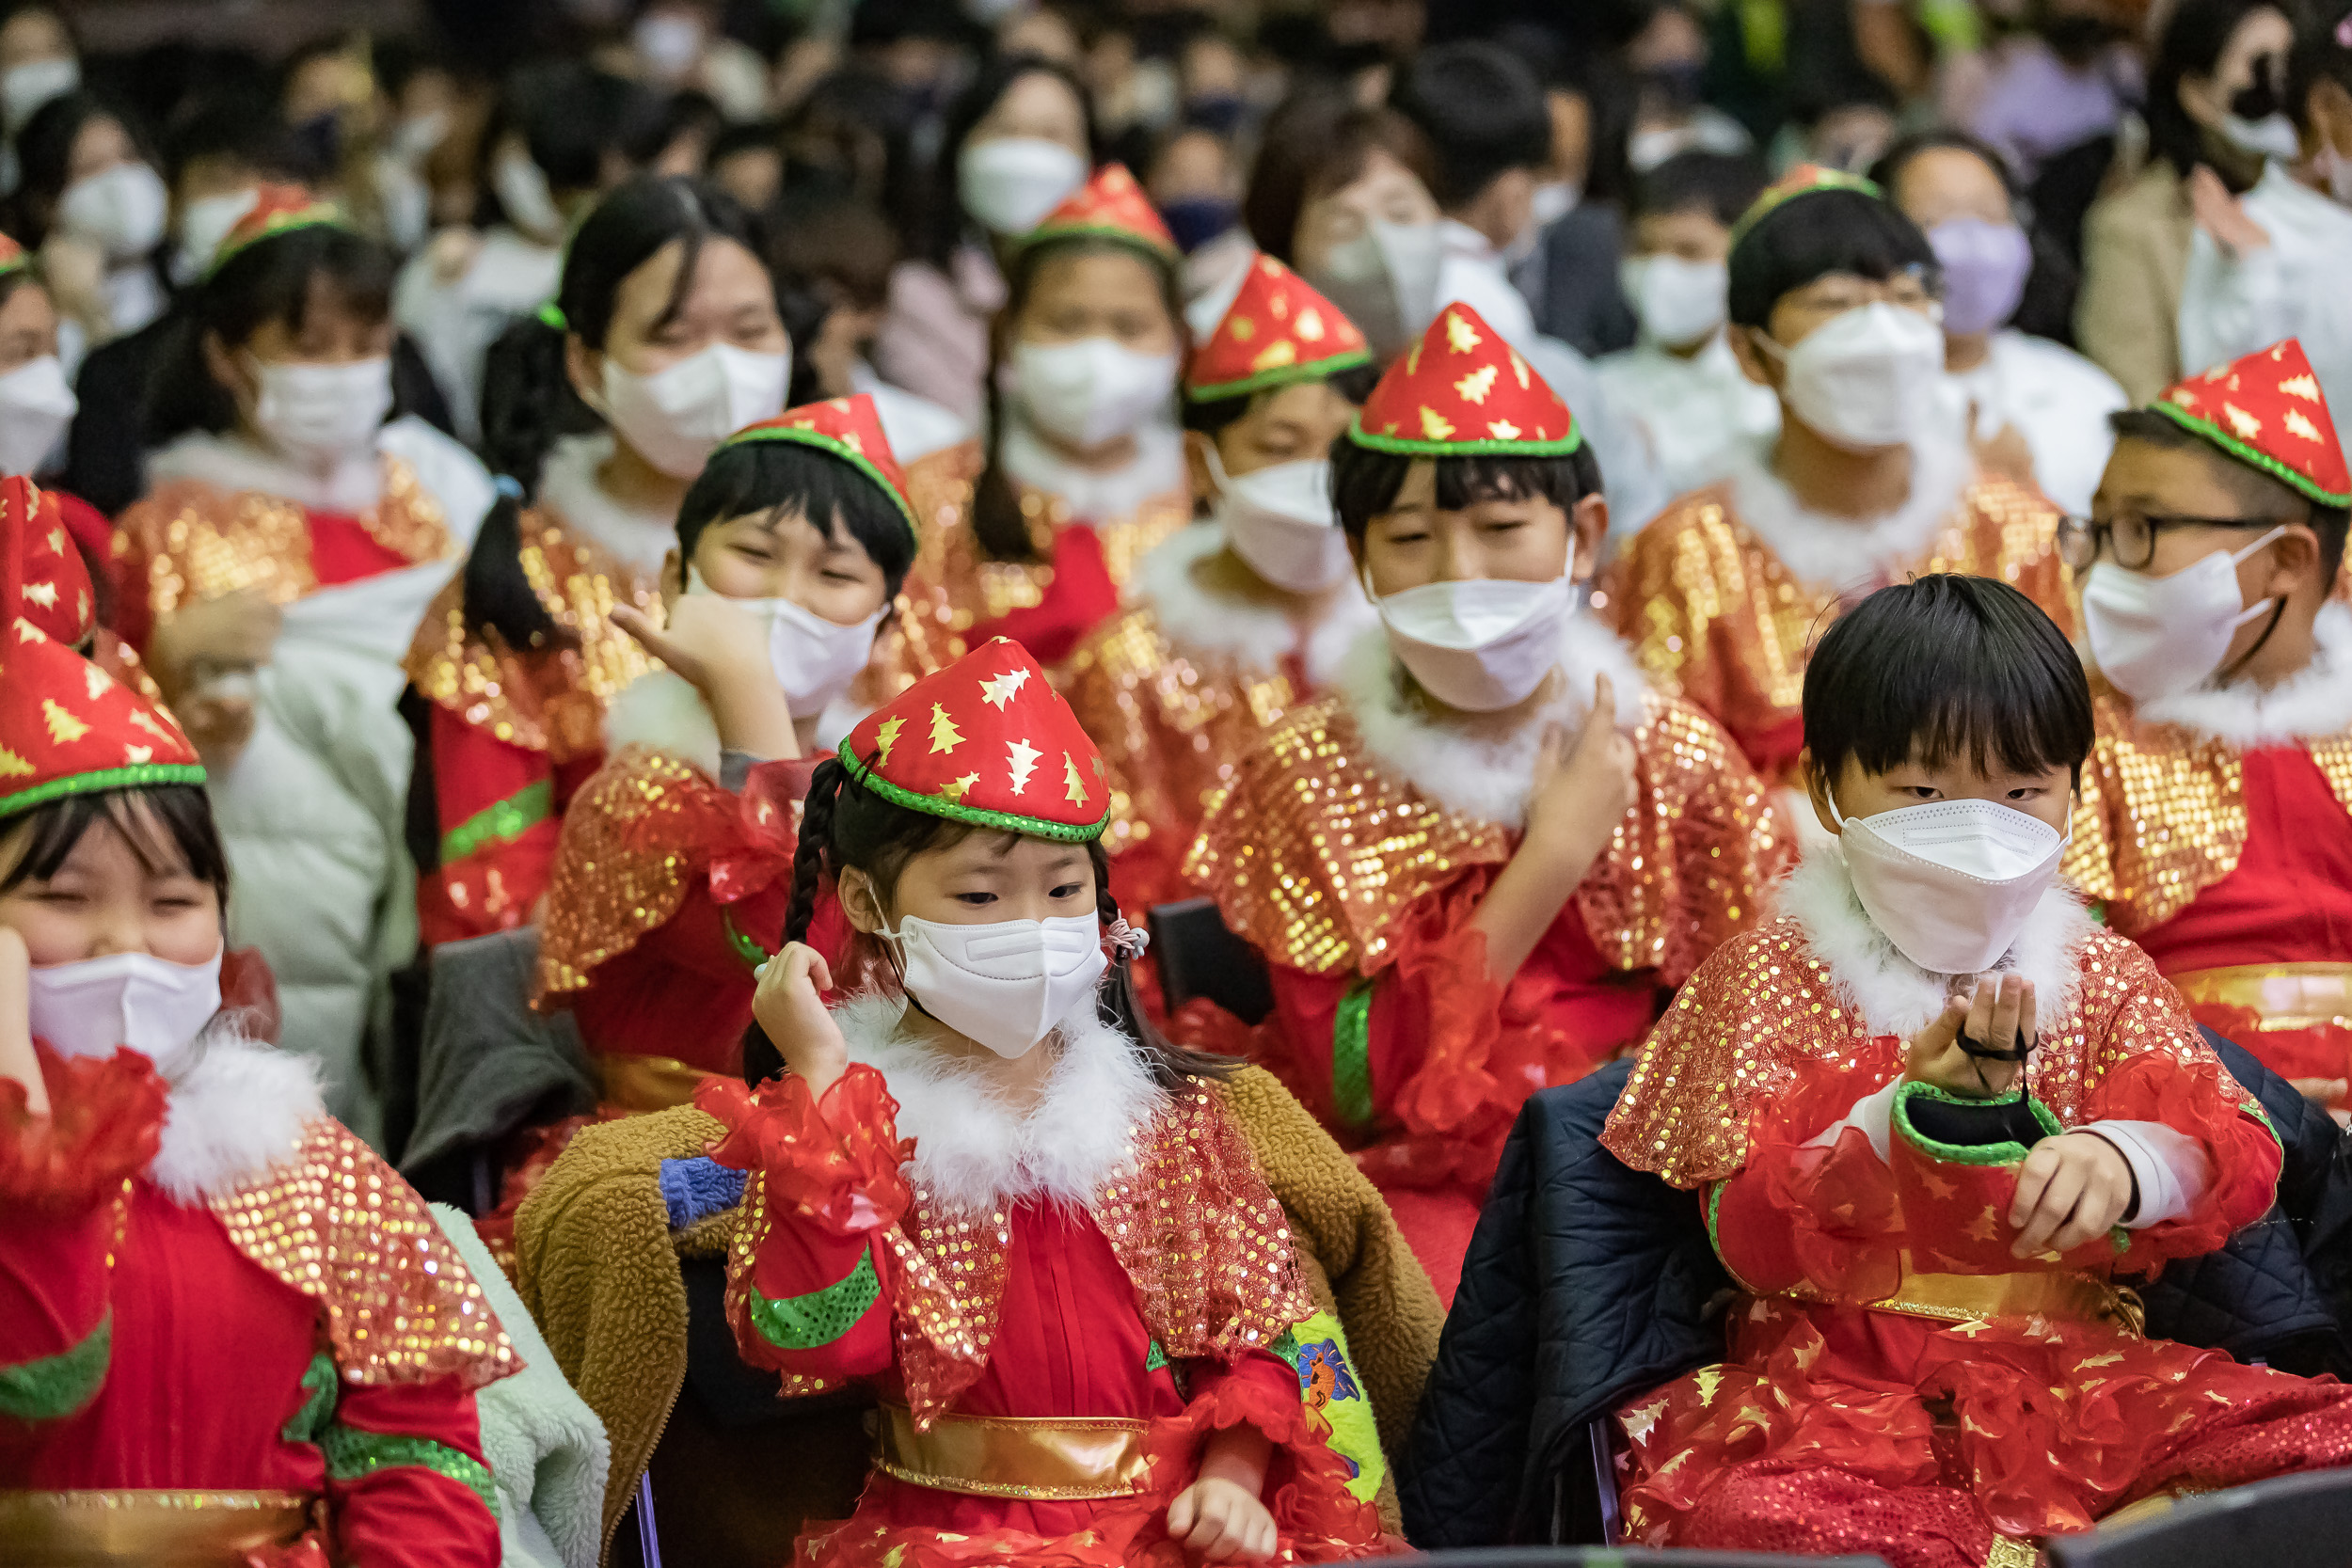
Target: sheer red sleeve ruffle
1317	1518
106	1120
837	1160
1825	1214
2197	1097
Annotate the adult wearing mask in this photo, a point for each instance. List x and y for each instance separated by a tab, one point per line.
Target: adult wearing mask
93	204
669	341
2271	264
2039	407
1681	384
272	579
1833	307
2213	97
1018	143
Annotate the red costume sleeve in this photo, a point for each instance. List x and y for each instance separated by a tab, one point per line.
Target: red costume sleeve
1306	1483
808	1280
406	1481
500	809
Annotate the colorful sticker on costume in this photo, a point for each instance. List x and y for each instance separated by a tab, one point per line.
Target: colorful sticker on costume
1328	1385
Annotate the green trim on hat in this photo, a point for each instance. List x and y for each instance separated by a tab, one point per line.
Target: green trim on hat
1773	200
319	214
2195	424
1407	446
1165	255
20	261
1281	375
980	816
137	775
833	444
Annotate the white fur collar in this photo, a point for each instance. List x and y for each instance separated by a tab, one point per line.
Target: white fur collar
1092	496
237	1114
1477	770
1895	996
1823	551
661	709
568	489
1256	635
232	461
2315	702
974	1152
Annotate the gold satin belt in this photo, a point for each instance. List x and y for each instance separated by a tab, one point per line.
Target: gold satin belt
1050	1459
2284	996
1962	1298
146	1529
644	1083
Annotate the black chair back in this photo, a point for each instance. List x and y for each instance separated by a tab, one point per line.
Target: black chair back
2298	1521
1197	956
1625	1557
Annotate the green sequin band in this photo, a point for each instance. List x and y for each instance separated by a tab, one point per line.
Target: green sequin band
2196	425
353	1455
831	446
501	822
143	775
1975	1154
980	816
1281	375
820	1317
1140	243
55	1387
1351	1056
1408	446
320	1386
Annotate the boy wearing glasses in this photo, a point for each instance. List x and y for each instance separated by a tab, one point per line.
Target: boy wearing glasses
2214	818
1833	307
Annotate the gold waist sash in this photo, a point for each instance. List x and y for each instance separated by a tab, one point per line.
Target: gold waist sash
645	1084
2286	996
1962	1298
1049	1458
146	1529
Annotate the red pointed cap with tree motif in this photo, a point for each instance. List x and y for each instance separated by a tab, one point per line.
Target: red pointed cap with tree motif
2266	409
65	726
849	428
1462	391
277	210
986	741
55	596
1278	331
1111	206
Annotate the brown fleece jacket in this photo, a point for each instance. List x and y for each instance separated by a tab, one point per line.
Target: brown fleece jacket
598	1270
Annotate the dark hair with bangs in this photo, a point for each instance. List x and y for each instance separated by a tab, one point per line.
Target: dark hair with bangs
1318	140
1366	481
2262	495
1210	419
1945	667
1483	112
1724	185
944	222
1815	235
45	152
161	822
272	280
788	476
845	824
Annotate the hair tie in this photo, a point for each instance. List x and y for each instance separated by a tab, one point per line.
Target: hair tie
552	314
509	486
1126	941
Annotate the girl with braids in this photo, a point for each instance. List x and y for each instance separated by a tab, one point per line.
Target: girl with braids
665	339
1014	1277
1032	532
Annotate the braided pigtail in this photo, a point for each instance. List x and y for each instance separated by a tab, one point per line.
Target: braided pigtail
762	1059
1173	1065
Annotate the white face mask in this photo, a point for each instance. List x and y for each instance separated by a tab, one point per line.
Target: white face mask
1865	380
1279	520
1680	302
2157	637
1010	183
1555	200
203	223
414	138
669	45
26	88
2271	136
154	1007
1004	984
36	405
1385	280
676	417
323	415
523	190
1949	882
1481	645
1088	391
815	659
121	210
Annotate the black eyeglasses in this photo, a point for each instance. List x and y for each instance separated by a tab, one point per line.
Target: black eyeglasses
2133	540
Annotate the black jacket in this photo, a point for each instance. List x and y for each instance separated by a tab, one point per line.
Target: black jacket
1588	1282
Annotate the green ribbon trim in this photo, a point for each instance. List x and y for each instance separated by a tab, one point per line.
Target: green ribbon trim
820	1317
143	775
833	446
1715	1240
501	822
318	1407
1351	1056
352	1454
1977	1154
980	816
1160	254
746	949
1408	446
51	1387
1281	375
2303	485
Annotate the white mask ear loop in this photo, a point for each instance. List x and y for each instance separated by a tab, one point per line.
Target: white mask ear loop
2239	557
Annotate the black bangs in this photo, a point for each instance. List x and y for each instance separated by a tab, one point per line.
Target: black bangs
175	826
1943	668
1366	481
1355	384
1813	236
766	475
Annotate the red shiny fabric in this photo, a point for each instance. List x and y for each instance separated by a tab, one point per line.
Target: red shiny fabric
2290	898
498	886
1078	596
342	550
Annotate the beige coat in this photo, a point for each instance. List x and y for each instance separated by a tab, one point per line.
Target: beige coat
2134	257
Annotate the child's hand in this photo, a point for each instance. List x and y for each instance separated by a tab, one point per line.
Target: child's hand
236	631
2000	1016
2071	1189
708	640
790	1007
17	1060
1584	785
1218	1520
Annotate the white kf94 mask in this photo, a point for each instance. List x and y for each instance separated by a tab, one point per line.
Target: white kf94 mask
1279	521
815	659
1004	984
154	1007
1480	646
1949	882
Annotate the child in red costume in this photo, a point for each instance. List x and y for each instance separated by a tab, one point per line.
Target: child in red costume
207	1283
1936	1112
1478	867
1066	1378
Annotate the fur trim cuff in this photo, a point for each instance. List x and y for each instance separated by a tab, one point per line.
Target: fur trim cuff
2314	704
1824	551
234	1117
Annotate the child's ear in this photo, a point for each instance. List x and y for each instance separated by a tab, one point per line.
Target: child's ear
1198	447
1817	792
860	900
1588	528
2296	562
1755	363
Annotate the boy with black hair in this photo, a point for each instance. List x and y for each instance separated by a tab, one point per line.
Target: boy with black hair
1681	383
1238	619
1479	865
1933	1110
2216	819
1833	304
